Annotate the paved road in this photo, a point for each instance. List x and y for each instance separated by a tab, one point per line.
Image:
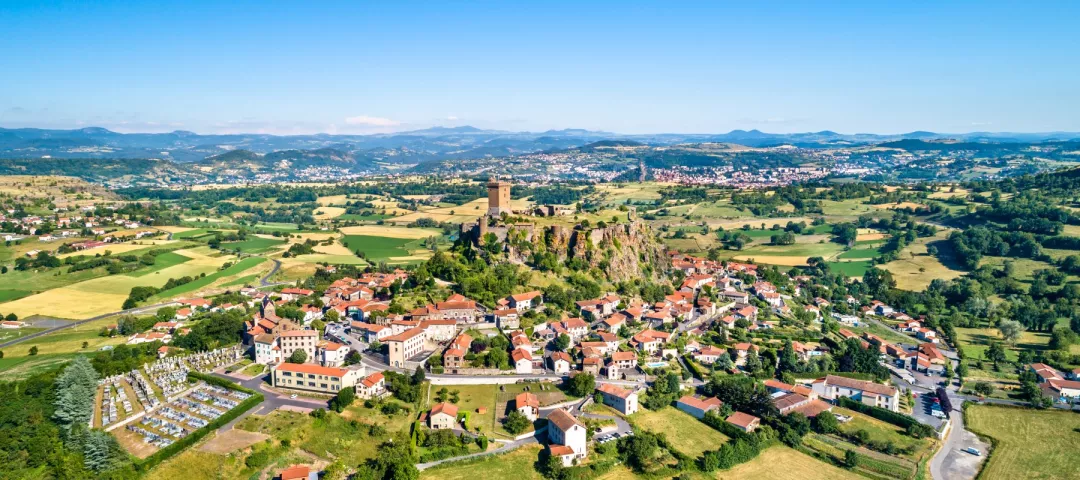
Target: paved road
76	323
265	281
271	400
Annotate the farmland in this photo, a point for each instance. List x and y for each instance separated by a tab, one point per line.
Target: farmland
1024	448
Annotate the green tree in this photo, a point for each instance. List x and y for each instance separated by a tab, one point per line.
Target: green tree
298	356
825	423
851	459
33	350
562	342
344	398
1010	330
582	384
516	422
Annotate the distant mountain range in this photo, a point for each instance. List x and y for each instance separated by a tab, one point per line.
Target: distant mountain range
436	146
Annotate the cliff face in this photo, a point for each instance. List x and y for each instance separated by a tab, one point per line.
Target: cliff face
623	251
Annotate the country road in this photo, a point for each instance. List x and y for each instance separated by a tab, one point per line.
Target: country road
265	280
76	323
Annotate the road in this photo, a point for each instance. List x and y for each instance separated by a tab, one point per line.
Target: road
265	281
137	310
951	461
271	400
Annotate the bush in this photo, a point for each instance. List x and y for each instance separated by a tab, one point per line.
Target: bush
912	426
257	459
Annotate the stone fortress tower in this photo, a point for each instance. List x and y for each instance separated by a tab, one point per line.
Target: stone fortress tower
498	197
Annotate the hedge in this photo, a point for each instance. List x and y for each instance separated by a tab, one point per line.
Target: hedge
695	369
884	415
165	453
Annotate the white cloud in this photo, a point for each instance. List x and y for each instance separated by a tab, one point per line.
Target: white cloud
371	121
452	118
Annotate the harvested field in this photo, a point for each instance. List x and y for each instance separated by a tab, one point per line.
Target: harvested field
391	232
232	440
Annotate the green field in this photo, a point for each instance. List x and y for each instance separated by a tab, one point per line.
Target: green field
859	254
196	233
686	433
7	295
239	282
236	268
470	398
1030	443
162	261
516	465
851	269
7	335
381	248
363	218
252	245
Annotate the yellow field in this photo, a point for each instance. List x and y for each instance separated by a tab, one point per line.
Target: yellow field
62	191
783	463
390	231
335	249
784	260
332	200
174	229
906	270
461	213
107	294
326	213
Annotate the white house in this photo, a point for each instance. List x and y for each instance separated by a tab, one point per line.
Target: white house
566	437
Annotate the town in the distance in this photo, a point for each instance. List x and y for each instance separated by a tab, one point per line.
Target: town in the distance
441	326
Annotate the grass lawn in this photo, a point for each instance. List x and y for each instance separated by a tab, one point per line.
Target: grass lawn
516	465
66	341
382	248
850	269
242	281
546	393
252	244
234	269
470	398
193	233
1030	443
7	295
329	437
161	262
9	335
686	433
783	463
22	366
883	432
859	254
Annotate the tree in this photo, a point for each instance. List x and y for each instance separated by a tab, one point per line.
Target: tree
1010	330
724	362
582	384
995	353
825	423
353	358
33	350
851	459
75	389
598	398
298	356
318	325
418	376
516	422
344	398
85	344
753	361
638	450
983	388
562	342
11	317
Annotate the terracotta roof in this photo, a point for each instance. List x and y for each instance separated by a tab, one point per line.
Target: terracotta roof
788	401
771	383
296	472
372	380
863	385
741	419
561	356
701	404
812	408
300	333
615	390
562	420
560	450
526	399
520	354
526	296
623	356
404	336
447	408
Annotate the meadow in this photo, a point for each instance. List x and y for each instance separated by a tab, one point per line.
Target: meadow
1029	443
253	245
687	434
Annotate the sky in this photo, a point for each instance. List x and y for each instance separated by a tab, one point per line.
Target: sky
628	67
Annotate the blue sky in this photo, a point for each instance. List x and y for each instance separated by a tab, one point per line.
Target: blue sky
358	67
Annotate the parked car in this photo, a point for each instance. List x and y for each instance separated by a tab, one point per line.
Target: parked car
973	451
